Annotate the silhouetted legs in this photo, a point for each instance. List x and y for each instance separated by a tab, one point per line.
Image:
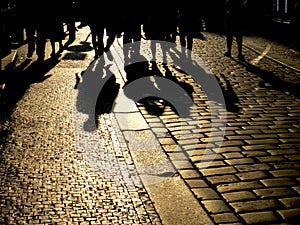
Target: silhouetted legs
111	34
186	40
97	40
239	41
41	44
53	47
30	32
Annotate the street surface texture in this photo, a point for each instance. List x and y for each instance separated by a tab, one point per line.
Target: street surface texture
243	170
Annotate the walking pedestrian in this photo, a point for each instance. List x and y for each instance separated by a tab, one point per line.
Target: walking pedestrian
112	22
49	27
132	20
188	23
100	23
26	15
234	24
161	21
95	20
55	26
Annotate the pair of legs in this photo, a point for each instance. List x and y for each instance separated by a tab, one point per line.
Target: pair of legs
98	39
111	33
186	40
30	37
239	42
53	42
41	45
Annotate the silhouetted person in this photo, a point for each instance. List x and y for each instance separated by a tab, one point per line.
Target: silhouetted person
161	22
161	25
69	9
26	15
295	24
111	22
132	20
99	22
234	22
49	26
55	28
95	20
188	23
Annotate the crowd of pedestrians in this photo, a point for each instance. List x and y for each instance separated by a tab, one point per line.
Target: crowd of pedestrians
159	20
41	23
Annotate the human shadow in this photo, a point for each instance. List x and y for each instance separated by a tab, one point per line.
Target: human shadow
96	92
268	77
107	96
187	62
77	52
82	47
17	82
154	86
19	79
230	97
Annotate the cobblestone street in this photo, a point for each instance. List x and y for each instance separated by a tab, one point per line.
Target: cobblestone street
236	165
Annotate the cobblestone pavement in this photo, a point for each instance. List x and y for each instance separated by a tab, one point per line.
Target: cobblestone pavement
249	176
44	178
254	175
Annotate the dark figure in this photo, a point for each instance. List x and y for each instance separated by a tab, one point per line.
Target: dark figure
69	10
49	26
112	22
55	28
161	21
295	24
132	20
95	21
188	23
41	39
97	32
101	22
111	33
234	21
160	25
26	15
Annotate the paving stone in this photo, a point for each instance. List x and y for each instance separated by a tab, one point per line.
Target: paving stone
241	161
196	183
253	167
225	218
189	174
220	179
239	186
219	171
215	206
276	182
291	202
254	175
259	217
205	193
255	205
239	196
233	155
290	214
286	173
274	192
